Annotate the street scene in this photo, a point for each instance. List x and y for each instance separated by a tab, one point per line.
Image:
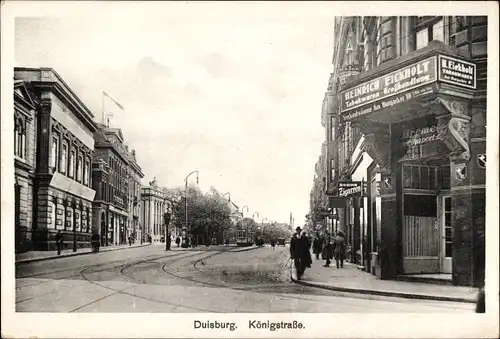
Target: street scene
182	163
213	279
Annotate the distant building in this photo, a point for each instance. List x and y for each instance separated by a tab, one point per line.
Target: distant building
155	203
135	176
62	193
25	116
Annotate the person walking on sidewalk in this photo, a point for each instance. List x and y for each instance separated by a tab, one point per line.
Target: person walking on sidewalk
299	252
339	249
317	246
59	242
327	253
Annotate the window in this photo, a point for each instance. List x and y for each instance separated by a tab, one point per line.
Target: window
20	138
87	172
54	152
64	156
72	160
79	169
53	214
428	29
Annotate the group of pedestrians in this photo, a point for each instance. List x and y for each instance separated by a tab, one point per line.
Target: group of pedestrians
329	247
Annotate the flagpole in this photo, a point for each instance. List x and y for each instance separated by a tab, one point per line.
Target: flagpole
102	107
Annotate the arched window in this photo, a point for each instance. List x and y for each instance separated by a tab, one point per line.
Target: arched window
20	138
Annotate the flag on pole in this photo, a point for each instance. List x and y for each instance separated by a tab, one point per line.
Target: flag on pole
116	103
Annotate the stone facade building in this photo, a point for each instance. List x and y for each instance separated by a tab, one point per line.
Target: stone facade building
62	193
24	163
111	175
155	202
135	176
407	115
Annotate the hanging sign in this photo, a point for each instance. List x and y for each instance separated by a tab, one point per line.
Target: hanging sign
457	72
481	160
350	188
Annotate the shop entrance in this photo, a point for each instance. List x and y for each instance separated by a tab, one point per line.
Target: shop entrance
446	235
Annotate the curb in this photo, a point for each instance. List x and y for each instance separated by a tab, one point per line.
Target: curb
24	261
245	249
385	293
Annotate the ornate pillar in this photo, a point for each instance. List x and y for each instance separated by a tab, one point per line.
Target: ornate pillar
467	188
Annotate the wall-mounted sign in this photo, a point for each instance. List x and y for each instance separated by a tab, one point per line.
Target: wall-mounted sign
394	83
351	188
460	172
405	84
481	160
457	72
424	135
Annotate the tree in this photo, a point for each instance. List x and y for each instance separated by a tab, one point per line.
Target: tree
208	215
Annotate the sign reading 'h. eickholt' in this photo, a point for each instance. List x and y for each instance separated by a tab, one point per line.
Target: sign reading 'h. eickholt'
350	188
404	84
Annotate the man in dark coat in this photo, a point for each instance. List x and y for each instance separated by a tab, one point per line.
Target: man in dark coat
317	246
339	249
59	242
299	252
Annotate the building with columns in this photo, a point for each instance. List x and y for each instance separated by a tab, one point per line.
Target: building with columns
155	201
25	105
62	193
406	123
111	181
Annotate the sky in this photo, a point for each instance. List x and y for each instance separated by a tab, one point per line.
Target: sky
234	92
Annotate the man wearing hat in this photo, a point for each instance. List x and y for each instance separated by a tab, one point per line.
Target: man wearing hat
299	252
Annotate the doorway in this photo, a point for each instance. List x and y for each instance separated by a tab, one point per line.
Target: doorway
446	236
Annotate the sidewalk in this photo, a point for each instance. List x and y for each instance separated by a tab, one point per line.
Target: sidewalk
351	279
32	256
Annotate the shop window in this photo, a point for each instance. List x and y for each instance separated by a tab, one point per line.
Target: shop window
420	177
54	152
428	29
64	156
444	177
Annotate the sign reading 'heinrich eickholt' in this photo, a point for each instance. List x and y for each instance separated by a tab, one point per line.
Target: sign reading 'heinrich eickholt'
404	84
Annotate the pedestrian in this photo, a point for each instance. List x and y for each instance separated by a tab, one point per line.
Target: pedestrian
339	249
59	242
327	252
177	241
317	246
299	252
95	242
130	240
273	243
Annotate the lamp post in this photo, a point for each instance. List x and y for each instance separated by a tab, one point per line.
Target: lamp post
166	220
185	194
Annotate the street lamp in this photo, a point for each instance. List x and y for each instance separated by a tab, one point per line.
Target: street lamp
186	186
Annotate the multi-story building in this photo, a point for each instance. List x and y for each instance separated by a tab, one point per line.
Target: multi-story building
155	202
62	193
24	163
408	129
111	180
135	176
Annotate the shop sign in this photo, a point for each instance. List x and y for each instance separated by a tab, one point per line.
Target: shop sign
350	188
457	72
481	160
424	135
395	83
